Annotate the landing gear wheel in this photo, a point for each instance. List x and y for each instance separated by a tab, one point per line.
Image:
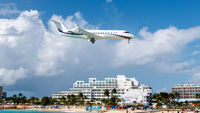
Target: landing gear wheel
92	40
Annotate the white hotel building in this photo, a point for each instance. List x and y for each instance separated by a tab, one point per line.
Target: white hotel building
187	92
128	89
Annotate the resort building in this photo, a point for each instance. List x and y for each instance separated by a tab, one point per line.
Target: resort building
187	91
2	93
128	90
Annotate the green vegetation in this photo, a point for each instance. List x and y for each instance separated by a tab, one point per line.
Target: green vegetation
21	99
81	98
34	100
172	101
162	98
106	93
113	101
197	96
45	101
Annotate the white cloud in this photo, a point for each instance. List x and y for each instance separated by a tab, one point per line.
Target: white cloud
8	9
56	49
195	53
9	76
184	67
20	39
53	51
195	78
158	46
25	42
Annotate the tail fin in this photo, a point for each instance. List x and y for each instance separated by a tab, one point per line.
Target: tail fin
60	26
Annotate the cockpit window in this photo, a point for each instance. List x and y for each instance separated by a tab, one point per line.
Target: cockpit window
126	32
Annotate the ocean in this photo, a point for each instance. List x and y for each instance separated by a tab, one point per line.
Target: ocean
29	111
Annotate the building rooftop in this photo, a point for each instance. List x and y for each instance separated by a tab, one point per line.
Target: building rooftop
186	85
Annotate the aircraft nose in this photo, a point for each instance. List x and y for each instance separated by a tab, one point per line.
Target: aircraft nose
132	36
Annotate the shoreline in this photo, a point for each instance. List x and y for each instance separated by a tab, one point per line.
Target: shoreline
78	109
108	111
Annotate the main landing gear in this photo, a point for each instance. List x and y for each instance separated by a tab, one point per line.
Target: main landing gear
92	40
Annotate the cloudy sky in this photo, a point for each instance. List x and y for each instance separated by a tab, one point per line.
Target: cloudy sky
37	61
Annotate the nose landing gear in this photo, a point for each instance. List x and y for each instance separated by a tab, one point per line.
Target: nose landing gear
129	41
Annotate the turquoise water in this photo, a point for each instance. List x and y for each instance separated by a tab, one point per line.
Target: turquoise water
28	111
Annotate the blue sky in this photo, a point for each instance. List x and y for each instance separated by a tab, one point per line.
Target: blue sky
165	53
133	14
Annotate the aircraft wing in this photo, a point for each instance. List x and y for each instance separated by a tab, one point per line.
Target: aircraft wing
89	35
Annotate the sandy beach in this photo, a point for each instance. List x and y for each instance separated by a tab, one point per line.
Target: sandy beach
80	109
107	111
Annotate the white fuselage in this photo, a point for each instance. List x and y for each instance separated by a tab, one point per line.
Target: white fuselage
106	34
92	35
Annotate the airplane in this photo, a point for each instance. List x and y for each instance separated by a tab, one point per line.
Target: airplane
92	35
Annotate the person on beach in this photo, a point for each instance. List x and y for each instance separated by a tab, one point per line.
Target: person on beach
126	110
196	110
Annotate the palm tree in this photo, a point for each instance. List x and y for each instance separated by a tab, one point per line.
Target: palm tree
68	97
80	96
23	100
63	99
20	95
186	103
81	99
36	100
157	97
197	95
52	100
45	101
107	93
2	103
164	97
171	96
14	99
31	100
177	95
72	99
14	95
113	101
114	91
